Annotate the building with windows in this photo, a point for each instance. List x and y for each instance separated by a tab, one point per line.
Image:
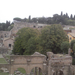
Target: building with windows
71	36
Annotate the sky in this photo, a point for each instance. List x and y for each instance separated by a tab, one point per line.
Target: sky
10	9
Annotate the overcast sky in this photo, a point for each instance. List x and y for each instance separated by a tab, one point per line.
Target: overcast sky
36	8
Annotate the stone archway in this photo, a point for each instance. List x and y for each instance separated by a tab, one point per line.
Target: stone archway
28	62
36	71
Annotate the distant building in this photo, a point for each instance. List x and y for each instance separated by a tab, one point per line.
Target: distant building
71	36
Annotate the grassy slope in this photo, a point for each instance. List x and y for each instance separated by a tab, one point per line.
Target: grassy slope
3	61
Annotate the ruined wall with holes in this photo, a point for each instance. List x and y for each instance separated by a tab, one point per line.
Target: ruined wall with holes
18	25
59	64
56	64
28	62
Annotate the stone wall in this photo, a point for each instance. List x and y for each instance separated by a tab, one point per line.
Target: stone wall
73	69
55	64
18	25
3	50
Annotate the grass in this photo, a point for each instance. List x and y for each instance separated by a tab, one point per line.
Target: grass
3	61
22	70
8	56
2	73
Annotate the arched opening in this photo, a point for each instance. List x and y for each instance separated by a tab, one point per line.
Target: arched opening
9	45
54	73
58	72
36	71
34	26
61	72
20	71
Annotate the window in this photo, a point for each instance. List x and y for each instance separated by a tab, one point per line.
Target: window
70	38
9	45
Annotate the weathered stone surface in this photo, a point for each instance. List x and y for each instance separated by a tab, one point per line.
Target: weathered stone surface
57	64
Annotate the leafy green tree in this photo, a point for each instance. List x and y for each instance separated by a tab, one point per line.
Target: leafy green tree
74	48
65	46
52	37
17	19
71	16
72	43
25	42
73	61
61	13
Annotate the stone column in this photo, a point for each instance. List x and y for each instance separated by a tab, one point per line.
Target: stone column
65	71
44	68
49	68
35	70
39	73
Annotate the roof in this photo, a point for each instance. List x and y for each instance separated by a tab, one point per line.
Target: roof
72	34
8	38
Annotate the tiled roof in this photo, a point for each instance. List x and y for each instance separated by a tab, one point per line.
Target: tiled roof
72	34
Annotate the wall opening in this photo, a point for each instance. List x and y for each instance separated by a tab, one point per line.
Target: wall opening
20	71
9	45
58	72
34	26
36	71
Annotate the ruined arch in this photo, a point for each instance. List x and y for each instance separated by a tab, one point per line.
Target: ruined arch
14	68
58	72
20	70
36	71
61	72
39	66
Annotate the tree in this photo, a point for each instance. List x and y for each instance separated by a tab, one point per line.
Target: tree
71	16
51	38
29	18
74	47
65	46
72	43
25	42
61	13
17	19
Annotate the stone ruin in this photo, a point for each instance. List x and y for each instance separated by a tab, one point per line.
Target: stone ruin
55	64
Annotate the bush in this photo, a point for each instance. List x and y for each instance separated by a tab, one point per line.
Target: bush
73	61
